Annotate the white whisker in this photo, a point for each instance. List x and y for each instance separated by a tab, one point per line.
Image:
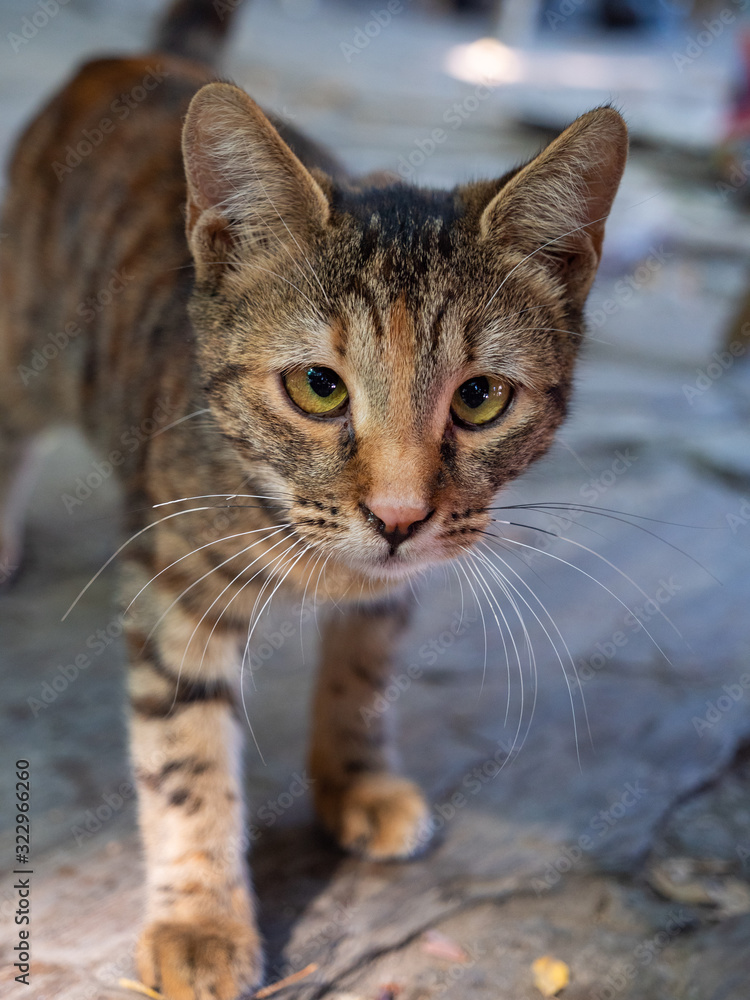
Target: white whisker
281	277
215	541
494	570
484	624
213	569
566	562
234	596
182	420
223	496
321	573
302	604
255	618
527	638
216	623
124	545
291	234
533	253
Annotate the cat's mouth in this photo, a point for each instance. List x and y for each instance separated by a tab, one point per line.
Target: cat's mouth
407	558
434	540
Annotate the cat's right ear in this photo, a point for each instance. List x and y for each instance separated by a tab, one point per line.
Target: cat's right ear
248	194
553	209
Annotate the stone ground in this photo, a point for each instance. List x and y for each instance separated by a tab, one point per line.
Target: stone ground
616	834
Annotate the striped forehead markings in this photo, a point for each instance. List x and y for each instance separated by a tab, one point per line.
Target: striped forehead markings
437	328
359	290
401	323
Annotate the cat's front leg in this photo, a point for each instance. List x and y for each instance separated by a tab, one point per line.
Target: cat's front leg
200	939
361	798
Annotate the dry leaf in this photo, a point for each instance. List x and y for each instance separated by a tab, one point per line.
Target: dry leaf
282	984
389	992
731	896
146	991
267	991
701	882
550	975
441	946
680	880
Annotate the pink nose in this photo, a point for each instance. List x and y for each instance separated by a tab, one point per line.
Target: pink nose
396	520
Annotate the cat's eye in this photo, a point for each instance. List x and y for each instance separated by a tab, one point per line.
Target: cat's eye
479	400
317	390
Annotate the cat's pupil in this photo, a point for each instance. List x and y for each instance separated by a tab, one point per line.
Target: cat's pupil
322	381
475	392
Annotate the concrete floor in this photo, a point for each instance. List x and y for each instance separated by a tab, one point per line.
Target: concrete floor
624	851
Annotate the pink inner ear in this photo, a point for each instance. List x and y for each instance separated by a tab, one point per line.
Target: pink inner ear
234	157
567	189
209	180
205	188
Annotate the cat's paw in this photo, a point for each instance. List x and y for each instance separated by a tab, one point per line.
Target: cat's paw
202	960
380	816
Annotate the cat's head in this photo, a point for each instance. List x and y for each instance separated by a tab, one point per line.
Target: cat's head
385	359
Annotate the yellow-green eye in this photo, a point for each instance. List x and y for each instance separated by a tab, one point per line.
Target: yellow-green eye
479	400
316	390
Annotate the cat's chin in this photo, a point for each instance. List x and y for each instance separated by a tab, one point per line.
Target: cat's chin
393	569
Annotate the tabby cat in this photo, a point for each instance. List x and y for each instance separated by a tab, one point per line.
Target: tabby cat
349	370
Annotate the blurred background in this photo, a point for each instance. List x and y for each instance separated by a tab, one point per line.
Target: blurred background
592	802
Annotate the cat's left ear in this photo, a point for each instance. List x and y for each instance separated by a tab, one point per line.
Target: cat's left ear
248	194
554	208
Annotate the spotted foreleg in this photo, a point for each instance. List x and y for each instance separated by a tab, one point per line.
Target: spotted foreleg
360	796
200	939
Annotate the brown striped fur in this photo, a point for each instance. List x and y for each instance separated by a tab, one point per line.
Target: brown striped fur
406	293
